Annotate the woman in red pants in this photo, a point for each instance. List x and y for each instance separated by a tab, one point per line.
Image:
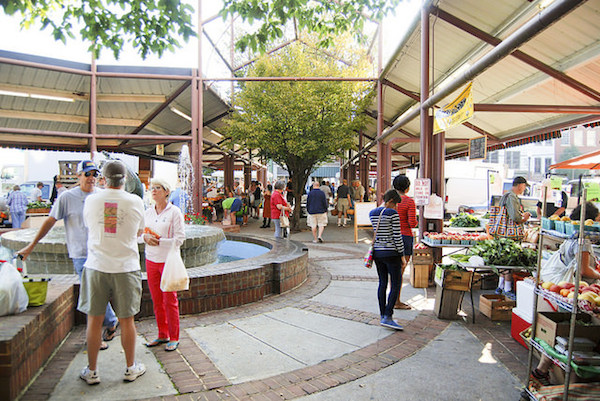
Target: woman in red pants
164	226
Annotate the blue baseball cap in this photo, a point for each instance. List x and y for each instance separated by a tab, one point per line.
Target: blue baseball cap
85	166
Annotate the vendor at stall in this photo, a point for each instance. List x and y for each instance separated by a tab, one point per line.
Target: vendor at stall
561	265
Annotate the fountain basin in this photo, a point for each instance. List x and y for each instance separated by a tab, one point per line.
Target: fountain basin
50	256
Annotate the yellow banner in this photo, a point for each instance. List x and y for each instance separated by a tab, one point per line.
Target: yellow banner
454	113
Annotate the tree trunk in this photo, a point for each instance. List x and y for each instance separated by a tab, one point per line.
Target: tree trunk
298	183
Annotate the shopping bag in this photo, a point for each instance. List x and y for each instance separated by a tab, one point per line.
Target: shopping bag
501	225
284	221
13	296
369	258
174	275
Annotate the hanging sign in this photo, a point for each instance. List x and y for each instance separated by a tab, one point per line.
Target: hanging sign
422	191
434	208
454	113
478	148
160	150
556	182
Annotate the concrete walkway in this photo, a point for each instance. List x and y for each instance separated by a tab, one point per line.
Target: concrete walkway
321	341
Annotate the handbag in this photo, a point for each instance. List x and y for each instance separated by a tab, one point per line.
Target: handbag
174	275
369	255
284	221
501	225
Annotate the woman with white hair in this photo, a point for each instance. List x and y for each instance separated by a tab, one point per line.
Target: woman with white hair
164	227
278	206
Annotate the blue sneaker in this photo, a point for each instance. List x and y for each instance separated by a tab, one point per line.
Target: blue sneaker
510	295
389	323
498	291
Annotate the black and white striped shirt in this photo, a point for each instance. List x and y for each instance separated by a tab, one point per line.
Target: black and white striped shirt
388	241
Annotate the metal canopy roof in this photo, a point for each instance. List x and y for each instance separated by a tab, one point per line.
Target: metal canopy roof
41	96
569	48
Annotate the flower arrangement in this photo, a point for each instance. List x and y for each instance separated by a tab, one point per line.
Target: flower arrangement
195	218
207	212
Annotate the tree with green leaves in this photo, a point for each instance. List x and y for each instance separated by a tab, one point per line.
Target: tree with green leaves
152	26
300	124
326	18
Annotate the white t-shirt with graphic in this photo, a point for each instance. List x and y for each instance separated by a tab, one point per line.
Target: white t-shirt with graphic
113	218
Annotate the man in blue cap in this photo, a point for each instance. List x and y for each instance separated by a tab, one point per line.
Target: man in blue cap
69	207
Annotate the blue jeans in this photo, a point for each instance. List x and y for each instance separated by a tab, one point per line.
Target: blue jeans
17	219
277	228
110	319
388	266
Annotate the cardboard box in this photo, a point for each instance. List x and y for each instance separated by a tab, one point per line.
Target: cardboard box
517	325
496	307
419	276
553	324
458	280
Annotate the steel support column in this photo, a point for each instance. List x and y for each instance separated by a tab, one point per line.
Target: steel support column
93	109
247	176
196	143
199	181
228	171
426	131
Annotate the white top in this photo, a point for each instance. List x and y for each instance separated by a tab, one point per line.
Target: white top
169	225
36	194
114	219
69	207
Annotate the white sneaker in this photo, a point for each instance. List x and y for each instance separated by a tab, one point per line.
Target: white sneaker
134	372
90	376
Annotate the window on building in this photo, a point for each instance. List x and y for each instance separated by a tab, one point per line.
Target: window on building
537	165
578	137
491	157
591	138
547	163
565	139
513	159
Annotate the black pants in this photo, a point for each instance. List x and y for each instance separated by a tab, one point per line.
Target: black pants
388	267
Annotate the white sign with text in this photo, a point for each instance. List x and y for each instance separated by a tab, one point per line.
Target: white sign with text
422	191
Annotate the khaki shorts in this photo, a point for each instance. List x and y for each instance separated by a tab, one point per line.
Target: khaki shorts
343	205
123	290
317	220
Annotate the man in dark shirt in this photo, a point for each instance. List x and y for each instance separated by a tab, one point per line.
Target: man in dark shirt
316	206
343	202
554	208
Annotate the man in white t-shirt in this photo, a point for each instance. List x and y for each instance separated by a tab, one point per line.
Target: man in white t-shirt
36	194
114	219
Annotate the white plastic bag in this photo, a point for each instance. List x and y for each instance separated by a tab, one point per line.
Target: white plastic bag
174	275
554	270
13	296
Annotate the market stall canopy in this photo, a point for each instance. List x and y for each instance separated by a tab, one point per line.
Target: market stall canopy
45	104
551	82
589	161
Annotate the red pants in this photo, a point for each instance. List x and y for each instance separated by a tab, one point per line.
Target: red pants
166	305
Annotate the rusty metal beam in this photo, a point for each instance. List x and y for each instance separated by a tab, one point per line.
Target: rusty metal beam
518	54
160	108
536	108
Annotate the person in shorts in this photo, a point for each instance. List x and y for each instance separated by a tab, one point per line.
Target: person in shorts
230	207
343	202
316	206
115	219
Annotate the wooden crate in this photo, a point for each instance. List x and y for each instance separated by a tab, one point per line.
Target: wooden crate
458	280
419	275
447	303
422	256
496	307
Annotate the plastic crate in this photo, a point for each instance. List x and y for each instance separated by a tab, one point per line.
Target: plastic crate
559	226
547	224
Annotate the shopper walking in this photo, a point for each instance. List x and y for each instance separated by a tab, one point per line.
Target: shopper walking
17	203
316	206
407	212
343	202
279	206
388	250
115	219
166	229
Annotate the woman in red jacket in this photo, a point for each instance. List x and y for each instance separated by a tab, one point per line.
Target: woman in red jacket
408	220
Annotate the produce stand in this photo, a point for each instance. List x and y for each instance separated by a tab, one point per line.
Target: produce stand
533	390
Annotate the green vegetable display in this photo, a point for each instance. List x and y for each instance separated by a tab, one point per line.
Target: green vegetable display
464	220
39	205
504	252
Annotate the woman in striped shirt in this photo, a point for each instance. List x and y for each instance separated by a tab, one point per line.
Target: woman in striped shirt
388	250
408	220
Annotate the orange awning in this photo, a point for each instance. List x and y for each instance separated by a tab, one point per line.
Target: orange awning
589	161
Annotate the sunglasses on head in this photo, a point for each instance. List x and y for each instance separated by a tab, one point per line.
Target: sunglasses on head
92	173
